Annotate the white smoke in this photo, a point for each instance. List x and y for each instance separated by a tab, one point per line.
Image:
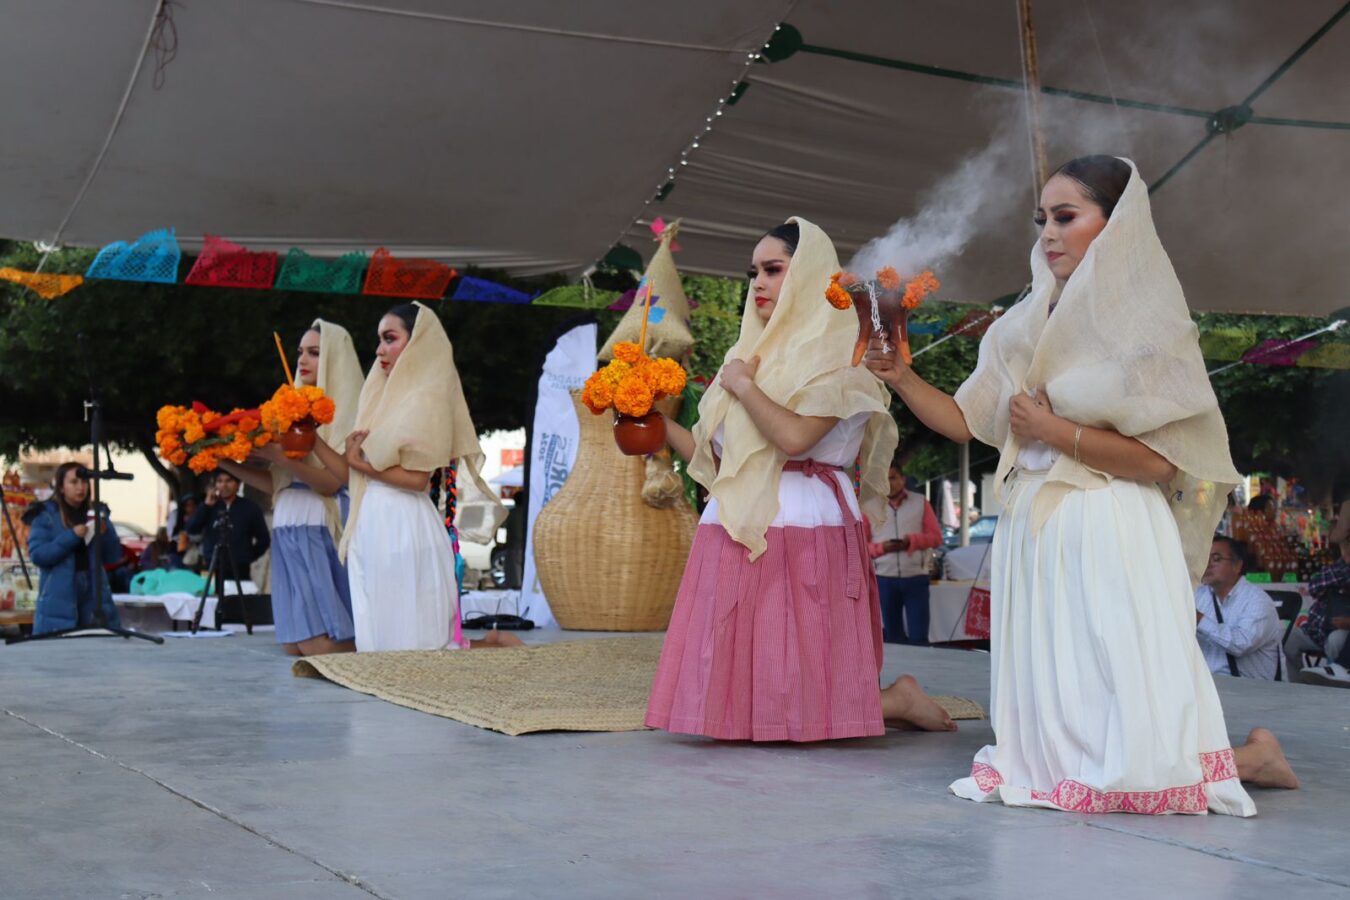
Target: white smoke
984	188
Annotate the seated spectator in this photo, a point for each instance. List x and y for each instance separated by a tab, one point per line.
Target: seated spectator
1236	622
189	546
161	553
1265	505
1328	625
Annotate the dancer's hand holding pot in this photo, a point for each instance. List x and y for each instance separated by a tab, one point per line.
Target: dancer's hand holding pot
883	358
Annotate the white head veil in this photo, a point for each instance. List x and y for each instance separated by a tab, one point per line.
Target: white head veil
339	377
1120	352
418	419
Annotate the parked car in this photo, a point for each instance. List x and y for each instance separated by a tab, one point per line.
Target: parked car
981	532
134	540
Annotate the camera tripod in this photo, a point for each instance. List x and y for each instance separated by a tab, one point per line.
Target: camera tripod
222	559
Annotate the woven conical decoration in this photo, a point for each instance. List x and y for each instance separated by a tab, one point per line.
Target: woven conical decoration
668	329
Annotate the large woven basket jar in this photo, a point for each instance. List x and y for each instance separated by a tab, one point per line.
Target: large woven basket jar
606	560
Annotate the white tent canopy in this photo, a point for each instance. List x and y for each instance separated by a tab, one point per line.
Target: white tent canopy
533	135
522	135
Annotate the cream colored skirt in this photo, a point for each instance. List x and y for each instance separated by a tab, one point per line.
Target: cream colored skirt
1101	700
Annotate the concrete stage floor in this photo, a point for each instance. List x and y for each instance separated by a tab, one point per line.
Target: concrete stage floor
202	768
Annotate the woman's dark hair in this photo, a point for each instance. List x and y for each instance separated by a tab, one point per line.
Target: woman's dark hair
407	314
1237	548
1260	502
788	233
74	515
1103	179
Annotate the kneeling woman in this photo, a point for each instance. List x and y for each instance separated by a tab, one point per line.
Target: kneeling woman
311	604
776	633
61	544
1095	391
412	419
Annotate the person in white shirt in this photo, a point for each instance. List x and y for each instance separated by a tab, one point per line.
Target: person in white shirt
1236	622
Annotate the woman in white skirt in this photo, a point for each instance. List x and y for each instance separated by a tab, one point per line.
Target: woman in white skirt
1094	390
411	420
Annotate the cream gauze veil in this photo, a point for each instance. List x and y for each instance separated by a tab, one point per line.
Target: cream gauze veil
418	419
1121	352
805	352
339	377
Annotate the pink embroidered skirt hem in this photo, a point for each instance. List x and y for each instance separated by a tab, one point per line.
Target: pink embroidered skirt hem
772	650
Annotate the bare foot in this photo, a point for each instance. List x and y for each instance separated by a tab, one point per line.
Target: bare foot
291	649
498	639
905	703
322	643
1261	761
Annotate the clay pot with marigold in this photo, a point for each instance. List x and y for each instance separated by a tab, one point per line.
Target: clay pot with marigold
629	385
881	304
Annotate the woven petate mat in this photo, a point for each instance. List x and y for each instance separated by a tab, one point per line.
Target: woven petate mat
588	685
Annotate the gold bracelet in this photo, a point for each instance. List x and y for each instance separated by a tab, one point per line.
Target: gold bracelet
1077	436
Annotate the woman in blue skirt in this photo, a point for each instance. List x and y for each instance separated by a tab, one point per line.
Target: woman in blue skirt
311	602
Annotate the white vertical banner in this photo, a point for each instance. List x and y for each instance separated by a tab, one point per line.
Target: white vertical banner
553	447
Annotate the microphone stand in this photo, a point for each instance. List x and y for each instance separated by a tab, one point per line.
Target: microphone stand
93	414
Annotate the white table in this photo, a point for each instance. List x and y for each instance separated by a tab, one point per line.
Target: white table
949	614
178	605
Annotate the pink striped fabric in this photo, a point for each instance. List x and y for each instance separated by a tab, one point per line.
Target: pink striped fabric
772	650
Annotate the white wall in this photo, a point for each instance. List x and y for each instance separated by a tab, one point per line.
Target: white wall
493	443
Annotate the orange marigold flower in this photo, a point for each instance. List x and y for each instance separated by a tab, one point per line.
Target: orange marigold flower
323	410
838	297
178	457
202	462
598	395
275	416
888	278
666	378
614	373
847	278
633	397
627	352
263	439
920	286
167	417
239	448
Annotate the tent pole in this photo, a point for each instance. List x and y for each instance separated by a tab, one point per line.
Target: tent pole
963	479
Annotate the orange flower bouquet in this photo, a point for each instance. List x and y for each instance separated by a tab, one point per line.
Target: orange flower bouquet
201	437
630	384
880	304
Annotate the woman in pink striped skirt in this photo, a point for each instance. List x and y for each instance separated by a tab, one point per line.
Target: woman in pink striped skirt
776	633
